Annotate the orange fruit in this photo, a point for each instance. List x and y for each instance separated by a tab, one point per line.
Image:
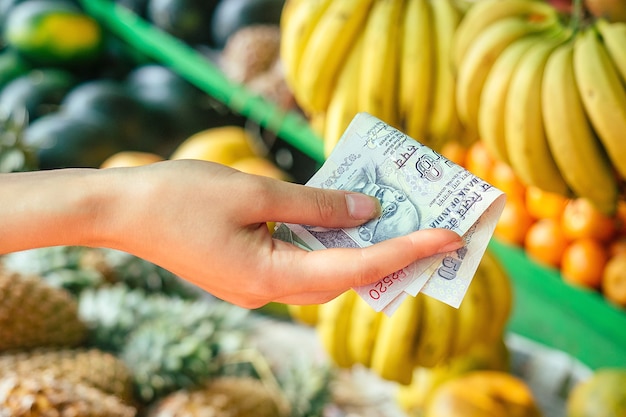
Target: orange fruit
503	178
617	246
130	159
543	204
478	160
545	242
455	152
613	284
582	219
583	262
620	217
513	223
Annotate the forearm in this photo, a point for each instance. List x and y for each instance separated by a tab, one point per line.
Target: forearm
49	208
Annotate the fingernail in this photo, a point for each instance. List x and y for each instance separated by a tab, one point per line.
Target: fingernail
452	245
362	206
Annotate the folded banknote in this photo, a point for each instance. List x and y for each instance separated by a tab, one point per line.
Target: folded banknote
418	189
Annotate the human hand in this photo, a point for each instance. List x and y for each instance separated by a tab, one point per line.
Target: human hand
207	223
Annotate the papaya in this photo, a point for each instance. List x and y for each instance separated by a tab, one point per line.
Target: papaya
187	20
12	65
603	394
53	32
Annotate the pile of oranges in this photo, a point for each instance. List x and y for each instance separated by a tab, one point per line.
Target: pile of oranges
569	234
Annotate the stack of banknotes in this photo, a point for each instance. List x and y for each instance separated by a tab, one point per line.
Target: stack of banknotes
418	189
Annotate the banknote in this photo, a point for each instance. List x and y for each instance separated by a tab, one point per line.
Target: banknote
418	189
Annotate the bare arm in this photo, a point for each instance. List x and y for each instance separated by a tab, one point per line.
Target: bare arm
206	223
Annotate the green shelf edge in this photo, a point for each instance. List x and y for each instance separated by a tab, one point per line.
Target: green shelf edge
546	310
290	126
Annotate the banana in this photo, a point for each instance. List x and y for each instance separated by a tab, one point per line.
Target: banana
392	357
603	95
333	327
485	12
416	68
499	296
437	333
473	315
343	105
379	65
297	21
325	52
614	36
443	121
305	314
480	57
576	150
526	143
363	333
493	97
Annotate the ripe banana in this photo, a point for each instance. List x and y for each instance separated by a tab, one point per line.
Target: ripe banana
392	356
577	151
603	95
614	36
379	65
363	332
325	52
297	21
493	97
416	68
479	59
485	12
437	330
343	105
443	121
473	315
333	327
525	137
305	314
500	297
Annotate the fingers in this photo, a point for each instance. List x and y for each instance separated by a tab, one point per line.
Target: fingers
300	204
339	269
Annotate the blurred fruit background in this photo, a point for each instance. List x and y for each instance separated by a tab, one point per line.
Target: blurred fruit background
529	95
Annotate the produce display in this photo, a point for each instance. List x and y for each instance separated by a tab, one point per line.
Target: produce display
529	95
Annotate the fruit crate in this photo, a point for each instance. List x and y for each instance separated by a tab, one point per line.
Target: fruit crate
546	310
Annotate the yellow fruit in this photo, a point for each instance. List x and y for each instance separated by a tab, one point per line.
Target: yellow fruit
601	395
259	165
223	145
130	159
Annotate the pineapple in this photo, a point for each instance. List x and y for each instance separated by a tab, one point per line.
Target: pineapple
35	314
183	346
15	155
44	395
87	366
224	397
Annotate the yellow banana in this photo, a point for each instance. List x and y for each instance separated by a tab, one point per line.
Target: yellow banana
437	333
485	12
577	151
379	65
493	97
525	137
603	95
499	292
480	57
343	105
297	21
326	50
473	315
416	68
333	327
363	332
614	36
392	357
305	314
443	121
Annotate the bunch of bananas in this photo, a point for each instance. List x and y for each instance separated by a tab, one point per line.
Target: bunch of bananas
389	58
547	97
423	332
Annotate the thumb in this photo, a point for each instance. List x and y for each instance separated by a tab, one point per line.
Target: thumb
301	204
